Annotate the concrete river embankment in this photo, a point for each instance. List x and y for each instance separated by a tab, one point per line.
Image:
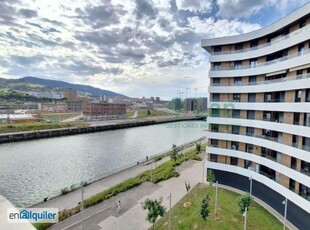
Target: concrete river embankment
97	127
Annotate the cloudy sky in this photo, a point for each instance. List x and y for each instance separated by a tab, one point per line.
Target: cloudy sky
138	48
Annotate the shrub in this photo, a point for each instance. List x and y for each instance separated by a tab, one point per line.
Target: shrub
64	191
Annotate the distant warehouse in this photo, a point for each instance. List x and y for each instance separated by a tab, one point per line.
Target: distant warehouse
104	110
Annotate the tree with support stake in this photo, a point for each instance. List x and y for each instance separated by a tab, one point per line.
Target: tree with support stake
210	176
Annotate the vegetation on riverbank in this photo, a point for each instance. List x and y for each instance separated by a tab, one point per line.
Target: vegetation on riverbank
145	113
33	126
227	217
160	173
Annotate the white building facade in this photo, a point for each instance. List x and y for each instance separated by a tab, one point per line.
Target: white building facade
259	113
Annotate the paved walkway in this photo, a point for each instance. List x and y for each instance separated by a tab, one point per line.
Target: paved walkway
132	216
71	199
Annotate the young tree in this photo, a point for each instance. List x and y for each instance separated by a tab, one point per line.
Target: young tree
174	153
154	208
204	207
198	147
210	176
244	201
149	112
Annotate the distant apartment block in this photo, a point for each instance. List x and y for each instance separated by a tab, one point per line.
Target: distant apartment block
196	104
104	110
70	94
259	113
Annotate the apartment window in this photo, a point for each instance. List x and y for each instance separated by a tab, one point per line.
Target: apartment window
254	43
249	148
237	80
252	97
217	66
292	185
233	160
236	113
249	131
213	157
307	95
236	97
235	129
307	119
253	63
234	145
305	167
304	191
247	164
295	141
251	114
301	48
214	128
302	23
217	49
298	96
215	112
306	143
252	80
214	142
215	97
239	46
238	65
216	81
299	72
296	118
293	163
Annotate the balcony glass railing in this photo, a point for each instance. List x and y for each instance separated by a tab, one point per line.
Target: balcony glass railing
285	79
274	139
306	51
266	44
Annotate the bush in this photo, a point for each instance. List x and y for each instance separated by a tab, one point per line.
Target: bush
42	226
64	191
157	158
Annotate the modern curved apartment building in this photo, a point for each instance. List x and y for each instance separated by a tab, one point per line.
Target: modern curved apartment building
259	116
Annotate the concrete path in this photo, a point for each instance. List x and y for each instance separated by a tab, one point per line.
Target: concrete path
71	199
132	216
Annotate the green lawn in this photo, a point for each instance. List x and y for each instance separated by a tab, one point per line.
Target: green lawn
228	216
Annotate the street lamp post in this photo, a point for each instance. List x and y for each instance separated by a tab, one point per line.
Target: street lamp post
285	212
251	183
216	185
169	211
245	216
82	204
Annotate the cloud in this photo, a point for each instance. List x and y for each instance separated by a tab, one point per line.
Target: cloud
202	6
27	13
102	15
145	9
134	47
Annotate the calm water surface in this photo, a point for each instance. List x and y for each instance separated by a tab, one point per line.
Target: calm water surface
32	170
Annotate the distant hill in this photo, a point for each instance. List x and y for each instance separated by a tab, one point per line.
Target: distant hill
14	84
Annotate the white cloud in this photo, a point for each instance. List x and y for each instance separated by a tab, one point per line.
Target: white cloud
139	53
202	6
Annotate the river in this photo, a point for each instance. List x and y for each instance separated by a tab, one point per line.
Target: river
32	170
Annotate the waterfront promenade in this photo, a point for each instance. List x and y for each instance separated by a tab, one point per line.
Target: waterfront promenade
71	199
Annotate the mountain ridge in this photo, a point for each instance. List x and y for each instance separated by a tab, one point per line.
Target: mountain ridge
62	84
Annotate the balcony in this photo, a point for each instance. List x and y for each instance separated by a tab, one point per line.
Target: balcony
274	41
